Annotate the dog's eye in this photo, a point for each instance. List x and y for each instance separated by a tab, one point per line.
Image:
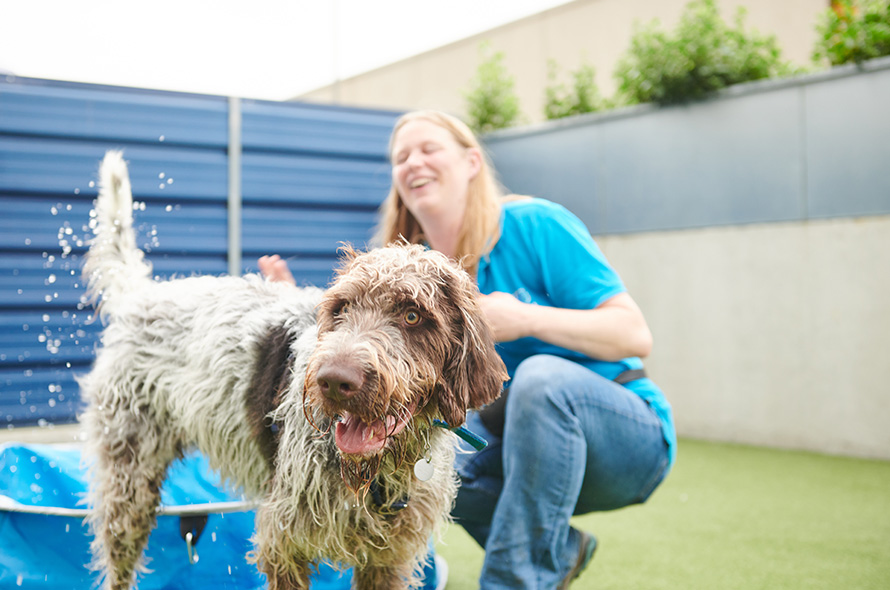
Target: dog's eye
342	310
412	317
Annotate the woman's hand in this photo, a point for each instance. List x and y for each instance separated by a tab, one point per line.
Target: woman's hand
275	269
506	315
614	330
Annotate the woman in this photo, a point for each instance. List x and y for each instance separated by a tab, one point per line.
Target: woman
579	428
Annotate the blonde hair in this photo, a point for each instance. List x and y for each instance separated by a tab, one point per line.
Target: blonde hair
481	224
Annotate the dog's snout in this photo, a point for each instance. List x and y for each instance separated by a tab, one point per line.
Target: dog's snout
339	381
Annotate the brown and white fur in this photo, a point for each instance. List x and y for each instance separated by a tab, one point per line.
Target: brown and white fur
306	399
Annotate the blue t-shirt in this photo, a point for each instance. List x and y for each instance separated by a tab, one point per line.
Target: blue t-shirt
546	256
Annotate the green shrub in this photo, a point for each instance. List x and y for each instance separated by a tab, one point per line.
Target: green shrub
703	55
583	97
491	100
853	31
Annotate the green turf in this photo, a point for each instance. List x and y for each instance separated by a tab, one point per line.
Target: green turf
733	517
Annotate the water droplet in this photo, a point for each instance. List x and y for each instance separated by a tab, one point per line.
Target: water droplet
161	175
77	191
53	210
161	138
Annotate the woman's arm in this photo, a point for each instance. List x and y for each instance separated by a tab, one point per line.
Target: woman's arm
614	330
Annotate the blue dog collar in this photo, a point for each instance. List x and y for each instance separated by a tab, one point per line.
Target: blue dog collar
474	440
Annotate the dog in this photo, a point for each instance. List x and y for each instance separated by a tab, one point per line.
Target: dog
317	403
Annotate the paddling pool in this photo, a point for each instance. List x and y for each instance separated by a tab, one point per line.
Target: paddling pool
44	542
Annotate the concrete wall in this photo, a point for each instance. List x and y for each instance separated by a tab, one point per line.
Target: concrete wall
593	31
754	231
770	334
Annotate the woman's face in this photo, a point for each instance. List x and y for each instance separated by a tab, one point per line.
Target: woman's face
431	170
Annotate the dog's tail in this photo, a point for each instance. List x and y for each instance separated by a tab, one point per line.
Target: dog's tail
113	265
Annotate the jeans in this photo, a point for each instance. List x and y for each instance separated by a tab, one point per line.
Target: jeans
573	442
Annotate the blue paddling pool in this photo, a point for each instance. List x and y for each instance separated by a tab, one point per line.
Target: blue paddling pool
201	539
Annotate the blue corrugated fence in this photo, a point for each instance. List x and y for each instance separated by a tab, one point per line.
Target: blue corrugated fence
311	177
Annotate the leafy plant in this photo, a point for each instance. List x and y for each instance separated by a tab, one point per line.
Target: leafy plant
492	102
704	54
853	31
583	97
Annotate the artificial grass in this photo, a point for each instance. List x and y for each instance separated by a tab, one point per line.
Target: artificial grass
734	517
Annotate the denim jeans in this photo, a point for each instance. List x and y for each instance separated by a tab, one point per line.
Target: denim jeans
573	442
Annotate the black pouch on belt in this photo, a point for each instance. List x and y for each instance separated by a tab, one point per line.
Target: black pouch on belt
492	415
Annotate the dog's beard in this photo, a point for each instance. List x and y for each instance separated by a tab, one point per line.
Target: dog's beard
358	473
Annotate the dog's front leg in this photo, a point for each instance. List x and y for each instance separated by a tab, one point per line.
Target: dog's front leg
382	578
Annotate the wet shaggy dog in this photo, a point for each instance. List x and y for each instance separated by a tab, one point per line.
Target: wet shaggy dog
317	403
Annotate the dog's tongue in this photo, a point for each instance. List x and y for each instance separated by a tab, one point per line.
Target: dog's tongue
354	437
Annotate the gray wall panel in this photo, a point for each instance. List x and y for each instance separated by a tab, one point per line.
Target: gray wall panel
534	165
702	165
810	147
848	145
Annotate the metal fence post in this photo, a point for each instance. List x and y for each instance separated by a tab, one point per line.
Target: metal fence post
234	200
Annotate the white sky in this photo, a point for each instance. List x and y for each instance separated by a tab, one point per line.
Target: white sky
268	49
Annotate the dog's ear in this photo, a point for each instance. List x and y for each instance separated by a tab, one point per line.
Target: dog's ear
346	254
474	374
324	313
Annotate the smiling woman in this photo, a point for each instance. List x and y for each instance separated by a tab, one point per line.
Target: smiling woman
571	338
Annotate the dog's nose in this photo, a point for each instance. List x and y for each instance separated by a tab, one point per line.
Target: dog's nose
339	381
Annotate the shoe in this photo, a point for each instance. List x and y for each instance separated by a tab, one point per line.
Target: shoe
441	572
585	555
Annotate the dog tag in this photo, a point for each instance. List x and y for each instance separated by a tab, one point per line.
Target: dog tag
423	469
